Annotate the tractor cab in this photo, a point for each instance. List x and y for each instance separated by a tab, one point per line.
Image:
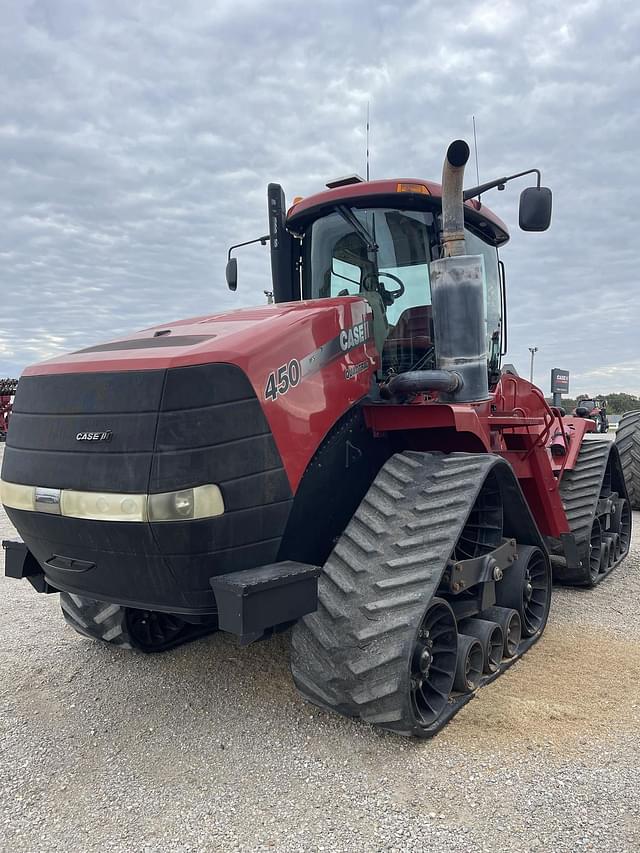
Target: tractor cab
585	407
377	240
383	255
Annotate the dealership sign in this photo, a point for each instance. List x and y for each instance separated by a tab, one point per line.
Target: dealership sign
559	381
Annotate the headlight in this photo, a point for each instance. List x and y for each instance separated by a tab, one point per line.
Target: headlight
103	506
199	502
17	497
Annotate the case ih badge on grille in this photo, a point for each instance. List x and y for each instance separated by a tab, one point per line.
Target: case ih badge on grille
106	435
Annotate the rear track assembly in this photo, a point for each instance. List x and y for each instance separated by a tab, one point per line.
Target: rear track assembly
596	502
128	628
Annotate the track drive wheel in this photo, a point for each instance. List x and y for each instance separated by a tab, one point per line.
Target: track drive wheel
126	627
526	587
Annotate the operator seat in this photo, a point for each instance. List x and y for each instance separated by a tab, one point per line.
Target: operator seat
410	339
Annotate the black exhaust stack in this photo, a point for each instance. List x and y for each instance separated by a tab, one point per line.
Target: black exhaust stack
457	297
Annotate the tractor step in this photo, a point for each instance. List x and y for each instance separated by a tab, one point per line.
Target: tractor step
254	600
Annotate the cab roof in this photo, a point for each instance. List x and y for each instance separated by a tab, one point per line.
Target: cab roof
408	193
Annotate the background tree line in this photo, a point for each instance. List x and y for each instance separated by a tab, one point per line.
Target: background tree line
617	404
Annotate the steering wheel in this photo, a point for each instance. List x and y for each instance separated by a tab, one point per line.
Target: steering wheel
392	295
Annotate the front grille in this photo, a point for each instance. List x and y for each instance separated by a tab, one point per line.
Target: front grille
171	429
50	411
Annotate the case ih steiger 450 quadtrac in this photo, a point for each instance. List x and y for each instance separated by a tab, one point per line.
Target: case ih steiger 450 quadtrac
350	460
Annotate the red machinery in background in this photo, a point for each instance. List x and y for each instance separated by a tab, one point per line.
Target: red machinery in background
7	393
594	409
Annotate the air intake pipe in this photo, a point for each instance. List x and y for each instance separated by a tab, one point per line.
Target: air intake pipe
458	301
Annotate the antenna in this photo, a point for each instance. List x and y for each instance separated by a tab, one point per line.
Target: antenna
368	141
475	148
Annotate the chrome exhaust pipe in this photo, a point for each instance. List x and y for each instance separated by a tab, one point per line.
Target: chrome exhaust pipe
452	239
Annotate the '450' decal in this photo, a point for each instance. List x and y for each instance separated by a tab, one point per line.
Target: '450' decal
281	380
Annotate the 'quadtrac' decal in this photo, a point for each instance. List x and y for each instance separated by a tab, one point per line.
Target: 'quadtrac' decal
355	369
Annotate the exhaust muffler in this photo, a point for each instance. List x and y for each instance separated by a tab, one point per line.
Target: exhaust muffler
458	302
458	292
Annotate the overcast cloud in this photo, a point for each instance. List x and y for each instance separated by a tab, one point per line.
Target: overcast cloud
137	140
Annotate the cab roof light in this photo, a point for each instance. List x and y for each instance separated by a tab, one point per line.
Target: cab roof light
412	188
345	182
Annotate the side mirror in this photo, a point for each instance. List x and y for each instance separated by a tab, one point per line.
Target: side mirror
535	209
232	273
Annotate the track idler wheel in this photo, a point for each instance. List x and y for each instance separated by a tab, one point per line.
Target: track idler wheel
469	665
433	663
491	639
621	524
613	541
526	587
596	547
509	620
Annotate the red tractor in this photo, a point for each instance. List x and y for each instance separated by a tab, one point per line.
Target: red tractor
350	460
7	393
594	409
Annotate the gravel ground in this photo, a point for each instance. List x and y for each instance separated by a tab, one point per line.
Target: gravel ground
209	747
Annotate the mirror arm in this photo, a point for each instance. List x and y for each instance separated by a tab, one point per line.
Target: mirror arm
499	183
262	240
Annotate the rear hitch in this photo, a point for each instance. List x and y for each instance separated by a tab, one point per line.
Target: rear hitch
21	564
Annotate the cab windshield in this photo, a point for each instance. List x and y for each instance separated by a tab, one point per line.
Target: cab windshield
383	254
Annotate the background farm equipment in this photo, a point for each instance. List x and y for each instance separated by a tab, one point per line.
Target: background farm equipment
7	393
593	409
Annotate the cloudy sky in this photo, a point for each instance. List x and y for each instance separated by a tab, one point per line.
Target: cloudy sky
137	138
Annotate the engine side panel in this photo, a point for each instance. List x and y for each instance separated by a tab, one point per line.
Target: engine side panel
328	341
250	429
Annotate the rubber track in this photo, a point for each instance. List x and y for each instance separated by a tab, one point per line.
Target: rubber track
580	491
628	444
107	623
97	620
352	654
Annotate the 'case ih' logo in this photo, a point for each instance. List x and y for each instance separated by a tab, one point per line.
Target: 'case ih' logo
356	335
94	436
